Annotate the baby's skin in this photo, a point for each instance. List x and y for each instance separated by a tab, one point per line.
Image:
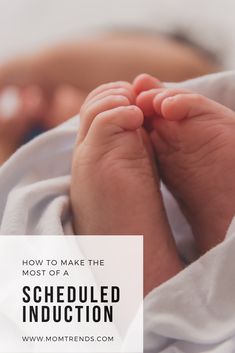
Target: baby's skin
194	142
115	183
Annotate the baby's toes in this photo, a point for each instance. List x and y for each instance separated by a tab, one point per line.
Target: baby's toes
145	101
187	105
122	91
150	101
162	95
101	99
145	82
111	123
90	111
109	86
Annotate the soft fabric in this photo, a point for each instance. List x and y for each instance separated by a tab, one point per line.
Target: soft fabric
194	311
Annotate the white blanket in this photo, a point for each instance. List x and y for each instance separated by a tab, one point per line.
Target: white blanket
191	313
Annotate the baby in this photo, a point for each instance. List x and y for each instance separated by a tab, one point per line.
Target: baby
132	134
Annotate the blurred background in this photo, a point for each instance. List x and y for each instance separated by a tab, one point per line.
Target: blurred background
53	52
29	24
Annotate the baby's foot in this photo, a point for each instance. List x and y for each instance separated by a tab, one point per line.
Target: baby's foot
194	141
115	186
